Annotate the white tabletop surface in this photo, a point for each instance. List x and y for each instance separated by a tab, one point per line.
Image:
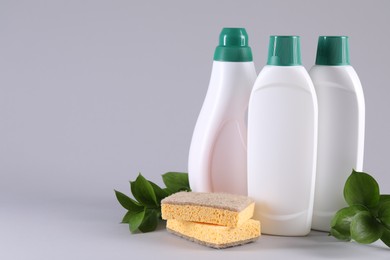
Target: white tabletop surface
65	229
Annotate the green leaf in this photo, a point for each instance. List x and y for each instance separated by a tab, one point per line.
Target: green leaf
170	192
160	193
144	212
384	198
340	235
126	217
384	213
341	222
130	213
127	202
143	191
361	188
386	237
176	181
135	221
365	229
150	221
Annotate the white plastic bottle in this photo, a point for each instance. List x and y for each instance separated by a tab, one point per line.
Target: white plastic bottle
217	159
341	126
282	141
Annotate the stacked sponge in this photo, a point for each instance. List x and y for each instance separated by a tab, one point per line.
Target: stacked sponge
218	220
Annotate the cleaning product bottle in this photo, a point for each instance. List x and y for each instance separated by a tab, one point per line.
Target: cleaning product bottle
217	159
282	141
340	126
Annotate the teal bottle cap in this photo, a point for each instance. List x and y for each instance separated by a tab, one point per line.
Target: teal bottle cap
333	51
284	51
233	46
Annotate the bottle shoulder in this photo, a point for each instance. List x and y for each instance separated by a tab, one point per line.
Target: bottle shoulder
341	77
230	83
332	69
284	76
228	91
245	65
229	73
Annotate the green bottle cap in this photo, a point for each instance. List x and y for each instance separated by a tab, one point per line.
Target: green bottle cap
333	51
284	51
233	46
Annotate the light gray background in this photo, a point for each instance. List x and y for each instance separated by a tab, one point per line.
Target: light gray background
93	92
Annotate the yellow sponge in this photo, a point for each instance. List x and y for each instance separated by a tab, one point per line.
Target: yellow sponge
213	235
213	208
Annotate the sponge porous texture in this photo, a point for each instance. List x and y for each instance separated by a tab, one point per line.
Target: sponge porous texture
217	220
213	235
213	208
